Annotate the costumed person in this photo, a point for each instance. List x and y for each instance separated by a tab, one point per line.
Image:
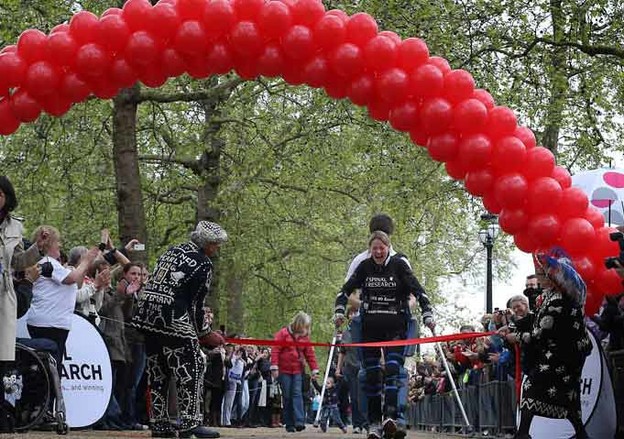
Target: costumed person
170	312
559	345
386	283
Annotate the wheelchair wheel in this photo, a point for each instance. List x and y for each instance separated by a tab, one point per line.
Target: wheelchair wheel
32	402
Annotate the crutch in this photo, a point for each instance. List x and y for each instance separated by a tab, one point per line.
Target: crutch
337	337
450	376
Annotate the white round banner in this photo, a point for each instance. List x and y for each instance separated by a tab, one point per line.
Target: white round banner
86	375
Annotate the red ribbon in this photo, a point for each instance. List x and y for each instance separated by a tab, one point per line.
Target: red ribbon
378	344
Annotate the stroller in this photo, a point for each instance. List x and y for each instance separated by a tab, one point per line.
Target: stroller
31	387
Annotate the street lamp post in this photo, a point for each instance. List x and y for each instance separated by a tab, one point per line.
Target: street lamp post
487	236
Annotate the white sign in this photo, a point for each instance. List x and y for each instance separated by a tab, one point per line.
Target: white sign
86	377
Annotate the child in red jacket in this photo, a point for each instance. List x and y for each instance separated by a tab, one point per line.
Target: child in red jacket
288	364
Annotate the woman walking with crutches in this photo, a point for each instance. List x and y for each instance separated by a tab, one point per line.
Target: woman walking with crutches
386	283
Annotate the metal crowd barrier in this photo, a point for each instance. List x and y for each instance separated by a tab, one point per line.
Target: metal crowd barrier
490	406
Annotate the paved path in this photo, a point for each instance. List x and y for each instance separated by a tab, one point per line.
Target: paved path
309	433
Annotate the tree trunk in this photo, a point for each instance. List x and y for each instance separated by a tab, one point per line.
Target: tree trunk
558	81
130	212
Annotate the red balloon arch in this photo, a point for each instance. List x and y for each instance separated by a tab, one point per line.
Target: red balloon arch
397	80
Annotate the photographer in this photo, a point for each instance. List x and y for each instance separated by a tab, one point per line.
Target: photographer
532	291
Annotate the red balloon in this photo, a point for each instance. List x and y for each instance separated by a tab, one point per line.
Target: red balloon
245	39
574	203
141	50
443	147
329	32
458	85
347	60
526	136
32	45
63	28
271	62
404	117
191	40
190	9
220	59
413	52
509	155
298	43
575	235
545	229
199	67
308	12
513	221
594	216
470	116
111	11
172	63
74	89
511	190
135	13
152	76
379	110
418	137
475	151
104	89
392	35
42	79
12	70
316	71
608	282
91	61
55	105
247	9
562	175
164	21
479	183
338	13
8	122
491	204
219	18
275	20
436	115
24	107
544	195
525	242
361	27
440	63
540	163
392	85
455	170
84	26
336	88
379	53
426	81
122	74
361	90
62	49
502	121
113	33
593	302
585	267
485	97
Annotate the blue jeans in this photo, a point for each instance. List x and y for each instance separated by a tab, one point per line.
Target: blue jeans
357	396
292	393
139	357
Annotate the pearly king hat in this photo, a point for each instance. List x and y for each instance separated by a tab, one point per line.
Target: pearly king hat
207	231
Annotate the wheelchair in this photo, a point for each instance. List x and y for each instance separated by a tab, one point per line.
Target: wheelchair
34	384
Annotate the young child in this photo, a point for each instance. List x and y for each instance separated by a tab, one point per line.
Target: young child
330	411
